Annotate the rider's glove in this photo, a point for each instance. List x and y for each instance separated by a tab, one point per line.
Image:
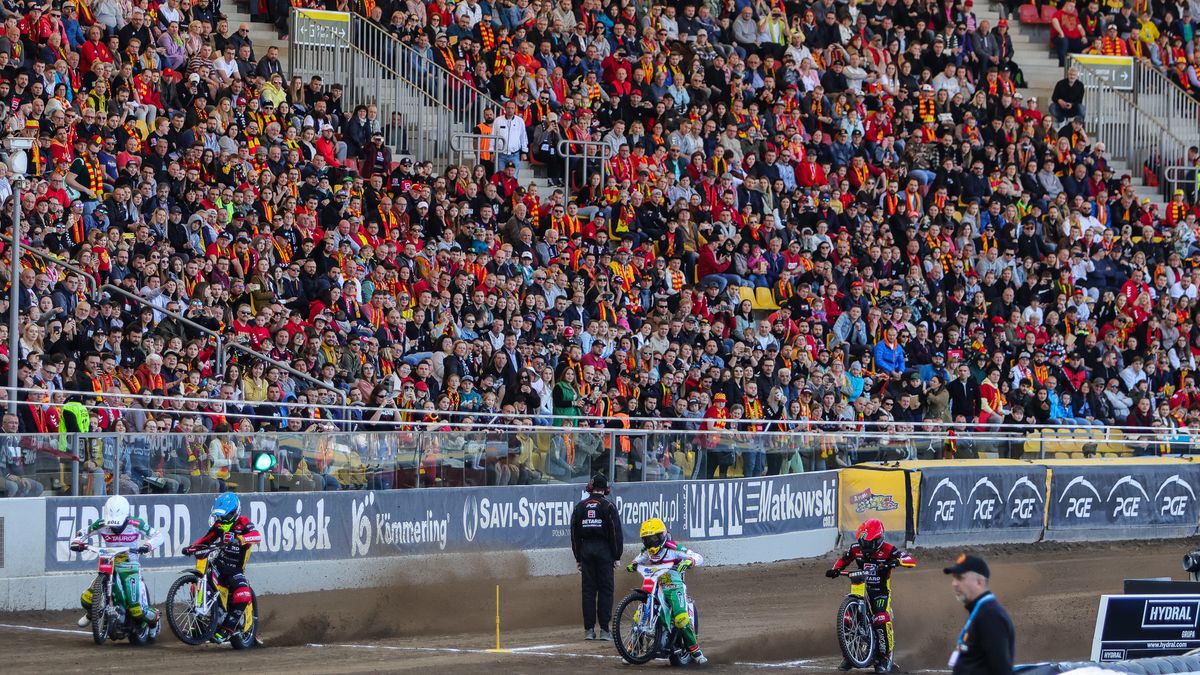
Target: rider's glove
188	550
630	567
685	564
78	546
832	574
144	549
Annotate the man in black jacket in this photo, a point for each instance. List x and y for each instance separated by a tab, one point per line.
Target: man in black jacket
987	641
596	541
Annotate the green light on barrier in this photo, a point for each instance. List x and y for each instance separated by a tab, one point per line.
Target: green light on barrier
264	461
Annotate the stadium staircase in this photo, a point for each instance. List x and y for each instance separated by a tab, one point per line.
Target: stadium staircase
1032	51
263	35
426	112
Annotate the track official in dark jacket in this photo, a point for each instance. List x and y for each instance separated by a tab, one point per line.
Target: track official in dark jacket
987	641
596	541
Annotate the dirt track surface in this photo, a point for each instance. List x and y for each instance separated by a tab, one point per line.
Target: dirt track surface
766	618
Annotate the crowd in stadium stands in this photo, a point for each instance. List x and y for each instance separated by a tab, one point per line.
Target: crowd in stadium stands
813	214
1161	33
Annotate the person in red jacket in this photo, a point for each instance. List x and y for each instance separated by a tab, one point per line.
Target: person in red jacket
877	558
236	534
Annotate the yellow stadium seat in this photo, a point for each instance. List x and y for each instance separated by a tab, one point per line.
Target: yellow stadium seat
746	293
1061	455
764	299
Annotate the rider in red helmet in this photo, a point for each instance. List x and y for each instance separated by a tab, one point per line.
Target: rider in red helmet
877	558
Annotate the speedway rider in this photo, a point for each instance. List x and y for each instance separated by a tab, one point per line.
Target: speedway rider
116	527
877	558
658	549
235	534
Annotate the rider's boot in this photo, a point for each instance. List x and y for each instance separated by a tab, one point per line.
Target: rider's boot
698	656
845	665
885	664
84	621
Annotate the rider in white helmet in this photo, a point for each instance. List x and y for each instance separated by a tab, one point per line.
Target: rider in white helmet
117	527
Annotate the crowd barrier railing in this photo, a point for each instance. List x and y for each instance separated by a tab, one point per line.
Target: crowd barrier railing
311	460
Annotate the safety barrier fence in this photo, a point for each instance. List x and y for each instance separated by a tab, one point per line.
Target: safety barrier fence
500	455
421	104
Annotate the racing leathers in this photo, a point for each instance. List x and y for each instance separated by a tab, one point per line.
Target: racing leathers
671	582
127	570
229	563
878	566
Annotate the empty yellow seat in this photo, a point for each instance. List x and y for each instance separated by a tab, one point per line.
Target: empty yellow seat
764	299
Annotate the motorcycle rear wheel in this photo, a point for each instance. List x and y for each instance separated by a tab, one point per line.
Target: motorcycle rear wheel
856	635
245	639
99	611
640	648
185	623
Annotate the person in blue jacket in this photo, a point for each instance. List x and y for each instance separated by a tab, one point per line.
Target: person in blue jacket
889	355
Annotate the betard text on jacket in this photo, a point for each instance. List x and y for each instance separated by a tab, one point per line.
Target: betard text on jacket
299	531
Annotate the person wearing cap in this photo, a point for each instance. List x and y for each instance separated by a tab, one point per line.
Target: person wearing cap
597	543
987	642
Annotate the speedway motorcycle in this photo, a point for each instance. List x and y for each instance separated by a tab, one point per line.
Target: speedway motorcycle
858	637
110	620
642	628
196	606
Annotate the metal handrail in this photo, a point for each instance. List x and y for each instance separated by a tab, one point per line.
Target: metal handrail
55	260
109	288
1130	132
1183	177
459	153
421	105
564	149
290	370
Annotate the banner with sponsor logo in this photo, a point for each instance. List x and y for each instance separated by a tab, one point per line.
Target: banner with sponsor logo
1145	626
1155	499
876	492
342	525
295	526
981	504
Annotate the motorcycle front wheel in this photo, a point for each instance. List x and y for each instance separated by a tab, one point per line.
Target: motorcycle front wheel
190	627
99	612
856	636
634	642
244	639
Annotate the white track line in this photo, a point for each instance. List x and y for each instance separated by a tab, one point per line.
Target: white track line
527	651
45	630
535	648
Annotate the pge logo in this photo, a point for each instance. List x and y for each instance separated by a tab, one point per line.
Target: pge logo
1080	506
360	526
986	507
1127	506
945	508
1023	508
471	518
1174	505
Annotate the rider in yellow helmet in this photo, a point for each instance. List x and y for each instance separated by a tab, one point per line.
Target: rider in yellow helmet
657	549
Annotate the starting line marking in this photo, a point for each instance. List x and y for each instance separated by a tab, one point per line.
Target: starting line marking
44	629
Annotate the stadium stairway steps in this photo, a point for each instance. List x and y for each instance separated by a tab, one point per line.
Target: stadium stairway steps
1031	50
263	35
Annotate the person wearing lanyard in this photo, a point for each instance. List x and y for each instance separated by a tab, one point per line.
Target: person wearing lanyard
987	640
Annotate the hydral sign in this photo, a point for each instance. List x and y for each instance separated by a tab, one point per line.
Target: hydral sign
1133	497
342	525
990	502
1142	626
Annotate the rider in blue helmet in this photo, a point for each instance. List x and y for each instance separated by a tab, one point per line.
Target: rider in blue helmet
236	534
